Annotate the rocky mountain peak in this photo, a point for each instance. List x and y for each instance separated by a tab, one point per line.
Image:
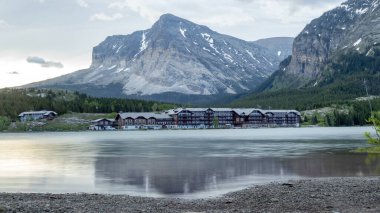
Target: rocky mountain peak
175	56
170	18
167	23
353	26
359	7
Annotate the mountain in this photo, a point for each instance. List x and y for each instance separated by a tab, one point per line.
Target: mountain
174	59
341	45
333	59
282	46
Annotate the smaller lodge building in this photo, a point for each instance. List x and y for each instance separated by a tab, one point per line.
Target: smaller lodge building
37	115
102	124
208	118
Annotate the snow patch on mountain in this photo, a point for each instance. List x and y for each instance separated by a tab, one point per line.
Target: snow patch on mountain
176	55
375	4
112	67
357	42
144	44
210	41
182	31
268	61
204	48
250	54
361	11
118	49
230	91
228	57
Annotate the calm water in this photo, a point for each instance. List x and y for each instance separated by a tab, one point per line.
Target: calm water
187	164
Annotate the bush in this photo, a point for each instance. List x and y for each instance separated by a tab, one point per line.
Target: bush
4	123
375	140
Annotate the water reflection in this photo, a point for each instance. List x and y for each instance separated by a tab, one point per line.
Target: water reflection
175	163
39	164
191	175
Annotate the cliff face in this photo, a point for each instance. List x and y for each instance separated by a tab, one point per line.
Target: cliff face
354	26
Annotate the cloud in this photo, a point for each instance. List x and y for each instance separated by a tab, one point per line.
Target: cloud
82	3
13	73
223	12
3	24
230	13
43	62
104	17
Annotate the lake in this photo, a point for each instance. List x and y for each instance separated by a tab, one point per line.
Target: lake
178	163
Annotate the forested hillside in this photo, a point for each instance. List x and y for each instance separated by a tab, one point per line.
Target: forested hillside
356	111
15	101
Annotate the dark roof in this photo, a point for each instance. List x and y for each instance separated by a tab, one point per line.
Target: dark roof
44	112
145	115
101	119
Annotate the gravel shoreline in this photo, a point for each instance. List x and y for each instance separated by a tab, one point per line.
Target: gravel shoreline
314	195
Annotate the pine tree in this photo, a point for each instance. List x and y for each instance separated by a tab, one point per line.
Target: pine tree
375	140
314	120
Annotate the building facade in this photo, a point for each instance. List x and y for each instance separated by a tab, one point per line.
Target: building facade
102	124
144	121
202	118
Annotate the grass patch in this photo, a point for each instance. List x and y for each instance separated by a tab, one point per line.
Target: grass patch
70	122
88	116
3	209
50	126
368	150
60	127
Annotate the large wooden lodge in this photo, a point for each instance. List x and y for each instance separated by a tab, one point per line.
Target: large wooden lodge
203	118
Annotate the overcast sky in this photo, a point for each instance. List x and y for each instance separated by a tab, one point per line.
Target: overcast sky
41	39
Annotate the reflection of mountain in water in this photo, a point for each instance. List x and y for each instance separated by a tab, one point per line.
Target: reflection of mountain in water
173	175
180	175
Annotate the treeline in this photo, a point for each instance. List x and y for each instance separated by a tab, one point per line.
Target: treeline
15	101
351	65
342	80
357	115
342	92
348	112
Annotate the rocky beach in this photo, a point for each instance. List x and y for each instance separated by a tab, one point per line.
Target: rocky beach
310	195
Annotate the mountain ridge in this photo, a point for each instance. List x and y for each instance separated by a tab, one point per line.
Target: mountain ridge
352	27
330	62
173	56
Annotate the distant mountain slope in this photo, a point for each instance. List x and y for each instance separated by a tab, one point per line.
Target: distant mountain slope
332	58
175	56
329	43
282	46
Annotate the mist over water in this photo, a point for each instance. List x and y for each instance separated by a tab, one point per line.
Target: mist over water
188	164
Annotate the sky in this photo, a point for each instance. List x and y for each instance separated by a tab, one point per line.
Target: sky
42	39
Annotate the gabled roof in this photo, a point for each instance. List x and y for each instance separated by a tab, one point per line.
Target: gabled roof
44	112
175	111
282	111
222	109
245	111
193	109
146	115
169	113
101	119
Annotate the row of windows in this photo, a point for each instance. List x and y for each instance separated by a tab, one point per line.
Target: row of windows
231	116
203	118
208	121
